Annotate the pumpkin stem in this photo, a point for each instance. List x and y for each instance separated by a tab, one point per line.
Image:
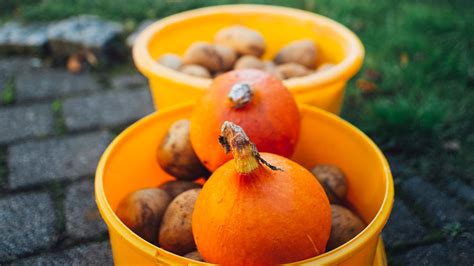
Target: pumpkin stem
240	95
246	156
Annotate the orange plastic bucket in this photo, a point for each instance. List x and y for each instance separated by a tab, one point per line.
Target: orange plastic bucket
278	25
129	164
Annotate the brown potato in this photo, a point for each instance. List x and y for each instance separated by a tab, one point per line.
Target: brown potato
170	61
203	54
302	52
249	61
292	70
271	69
333	181
176	155
143	210
195	255
176	187
324	67
243	40
176	233
227	57
345	226
196	70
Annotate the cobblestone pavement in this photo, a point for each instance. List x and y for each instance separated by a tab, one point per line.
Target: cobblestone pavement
53	128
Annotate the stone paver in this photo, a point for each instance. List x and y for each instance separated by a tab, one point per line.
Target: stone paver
107	109
456	252
34	162
23	38
403	226
49	83
25	121
88	254
82	216
27	224
16	65
83	33
461	190
128	81
435	203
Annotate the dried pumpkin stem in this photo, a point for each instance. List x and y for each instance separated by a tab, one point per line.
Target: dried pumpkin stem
246	156
240	95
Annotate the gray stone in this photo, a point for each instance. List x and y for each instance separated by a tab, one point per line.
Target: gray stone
27	224
112	108
82	216
460	190
20	38
129	81
34	162
456	252
403	226
87	254
25	121
49	83
83	33
133	36
435	203
13	65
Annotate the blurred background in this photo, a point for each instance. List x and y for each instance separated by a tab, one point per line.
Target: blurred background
414	97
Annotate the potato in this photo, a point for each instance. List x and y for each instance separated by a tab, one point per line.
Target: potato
170	61
176	187
203	54
333	181
196	70
194	256
243	40
143	210
176	155
176	233
324	67
302	52
227	57
249	61
292	70
271	68
345	226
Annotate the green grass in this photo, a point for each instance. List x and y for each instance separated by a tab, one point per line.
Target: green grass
8	94
423	51
59	123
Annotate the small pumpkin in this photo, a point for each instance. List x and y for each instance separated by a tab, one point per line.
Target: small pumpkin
258	102
259	209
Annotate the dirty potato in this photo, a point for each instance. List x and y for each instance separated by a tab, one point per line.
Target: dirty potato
203	54
292	70
249	61
175	154
176	233
143	210
243	40
194	256
345	226
170	61
196	70
333	181
302	52
227	57
272	69
176	187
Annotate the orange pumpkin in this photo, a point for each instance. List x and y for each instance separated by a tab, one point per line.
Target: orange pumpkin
259	209
258	102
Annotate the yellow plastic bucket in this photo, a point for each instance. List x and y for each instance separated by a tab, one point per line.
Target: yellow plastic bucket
129	164
278	25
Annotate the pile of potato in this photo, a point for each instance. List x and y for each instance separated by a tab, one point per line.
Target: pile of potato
239	47
162	215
